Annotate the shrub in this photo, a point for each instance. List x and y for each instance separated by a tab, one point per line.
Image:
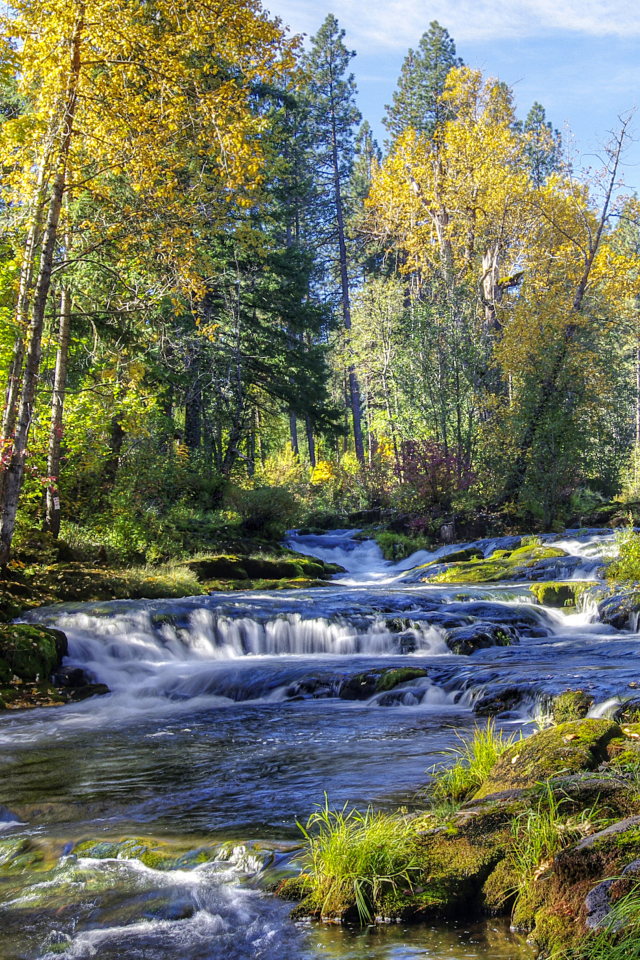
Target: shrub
627	567
429	474
264	511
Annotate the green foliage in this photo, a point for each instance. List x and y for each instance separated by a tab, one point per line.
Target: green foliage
626	568
399	546
473	762
264	511
354	858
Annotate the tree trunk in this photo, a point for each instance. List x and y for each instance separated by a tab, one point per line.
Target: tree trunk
24	291
192	419
52	518
116	440
293	429
15	471
346	305
310	441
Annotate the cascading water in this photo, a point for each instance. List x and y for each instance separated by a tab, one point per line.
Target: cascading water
228	718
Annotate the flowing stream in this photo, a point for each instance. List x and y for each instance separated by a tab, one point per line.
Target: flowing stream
148	823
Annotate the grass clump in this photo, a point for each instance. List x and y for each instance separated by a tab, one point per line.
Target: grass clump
352	858
474	761
542	832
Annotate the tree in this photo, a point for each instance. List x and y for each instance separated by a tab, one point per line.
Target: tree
121	88
418	102
543	145
330	94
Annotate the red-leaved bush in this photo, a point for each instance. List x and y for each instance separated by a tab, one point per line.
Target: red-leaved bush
429	474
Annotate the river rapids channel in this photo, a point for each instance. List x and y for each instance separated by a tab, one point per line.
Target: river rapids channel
151	822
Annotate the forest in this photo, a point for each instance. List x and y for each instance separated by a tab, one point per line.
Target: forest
226	310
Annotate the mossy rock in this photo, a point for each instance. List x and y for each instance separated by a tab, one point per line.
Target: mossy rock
458	556
502	565
571	705
393	678
218	568
551	594
29	652
567	748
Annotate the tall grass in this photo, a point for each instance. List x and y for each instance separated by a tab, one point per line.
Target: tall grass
542	832
474	761
352	857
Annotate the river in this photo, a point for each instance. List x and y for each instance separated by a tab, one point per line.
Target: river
148	823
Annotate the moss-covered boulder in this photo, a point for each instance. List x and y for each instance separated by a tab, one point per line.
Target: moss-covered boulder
265	569
29	653
554	594
567	748
530	562
571	705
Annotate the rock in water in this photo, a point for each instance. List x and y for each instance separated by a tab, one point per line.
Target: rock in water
466	640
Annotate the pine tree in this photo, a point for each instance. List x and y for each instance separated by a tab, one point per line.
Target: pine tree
333	116
544	144
417	103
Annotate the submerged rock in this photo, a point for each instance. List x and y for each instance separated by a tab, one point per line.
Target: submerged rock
499	701
466	640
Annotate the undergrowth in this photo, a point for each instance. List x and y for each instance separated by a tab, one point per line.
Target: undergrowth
474	761
351	856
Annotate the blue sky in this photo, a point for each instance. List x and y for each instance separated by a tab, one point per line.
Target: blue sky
579	58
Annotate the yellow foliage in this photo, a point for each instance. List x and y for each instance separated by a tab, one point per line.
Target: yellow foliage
323	472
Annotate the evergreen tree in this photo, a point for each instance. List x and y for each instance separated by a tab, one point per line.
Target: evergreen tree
544	144
333	114
417	103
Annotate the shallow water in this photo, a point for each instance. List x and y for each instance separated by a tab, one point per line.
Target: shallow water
225	726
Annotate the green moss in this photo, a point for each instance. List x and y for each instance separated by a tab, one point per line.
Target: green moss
552	594
392	678
500	886
502	565
567	748
571	705
30	653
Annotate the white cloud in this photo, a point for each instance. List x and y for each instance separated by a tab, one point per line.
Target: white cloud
396	24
